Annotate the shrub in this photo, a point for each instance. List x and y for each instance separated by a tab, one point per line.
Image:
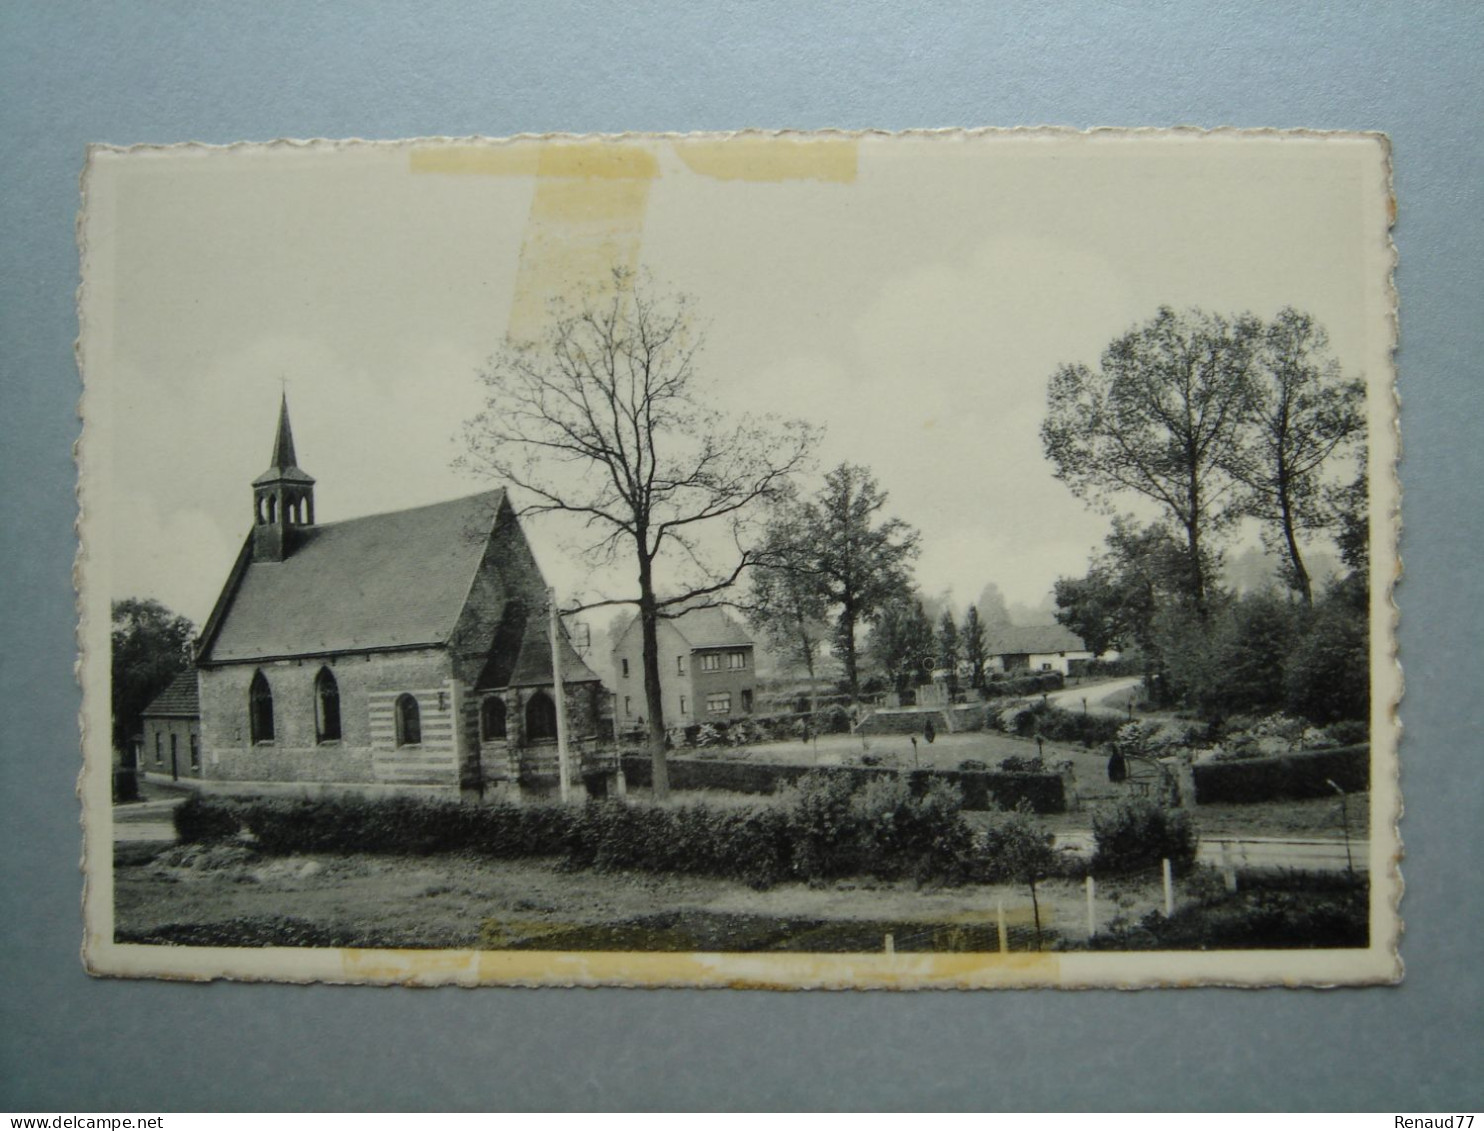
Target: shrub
1138	834
1349	732
904	832
822	826
199	819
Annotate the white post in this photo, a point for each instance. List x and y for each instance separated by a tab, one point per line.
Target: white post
999	912
564	767
1169	887
620	783
891	946
1092	915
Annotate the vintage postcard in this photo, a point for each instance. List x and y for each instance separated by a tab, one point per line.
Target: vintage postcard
934	560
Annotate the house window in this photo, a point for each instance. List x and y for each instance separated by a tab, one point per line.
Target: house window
682	704
492	719
679	665
541	720
409	721
747	702
711	662
195	751
625	662
326	707
159	750
260	709
1045	667
719	704
736	661
174	751
628	707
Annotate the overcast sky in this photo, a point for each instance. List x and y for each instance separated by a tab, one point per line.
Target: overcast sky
912	295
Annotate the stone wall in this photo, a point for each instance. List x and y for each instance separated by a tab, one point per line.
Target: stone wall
154	755
369	684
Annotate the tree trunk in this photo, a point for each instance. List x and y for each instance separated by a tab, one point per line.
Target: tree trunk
1301	580
653	700
847	638
1036	913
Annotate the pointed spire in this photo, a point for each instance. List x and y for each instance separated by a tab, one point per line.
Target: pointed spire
285	465
283	443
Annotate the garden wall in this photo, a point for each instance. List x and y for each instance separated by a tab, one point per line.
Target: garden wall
1289	776
982	789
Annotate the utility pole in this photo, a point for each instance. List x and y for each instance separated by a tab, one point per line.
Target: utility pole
564	765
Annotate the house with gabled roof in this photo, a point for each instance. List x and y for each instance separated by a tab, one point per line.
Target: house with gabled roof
170	745
707	670
399	651
1036	648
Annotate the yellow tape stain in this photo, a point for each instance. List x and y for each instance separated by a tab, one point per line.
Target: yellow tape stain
586	218
772	158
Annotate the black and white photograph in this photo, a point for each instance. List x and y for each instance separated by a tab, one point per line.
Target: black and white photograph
951	559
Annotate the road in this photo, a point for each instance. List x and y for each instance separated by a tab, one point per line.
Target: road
1307	854
1096	694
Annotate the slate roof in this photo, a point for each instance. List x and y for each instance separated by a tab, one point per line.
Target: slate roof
521	654
1013	640
710	628
383	581
182	699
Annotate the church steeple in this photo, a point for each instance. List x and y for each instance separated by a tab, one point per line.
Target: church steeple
283	497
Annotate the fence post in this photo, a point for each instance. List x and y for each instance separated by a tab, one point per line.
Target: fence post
891	945
999	911
1092	916
1169	887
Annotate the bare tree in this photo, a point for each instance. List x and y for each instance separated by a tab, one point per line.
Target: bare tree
602	419
1162	417
1302	414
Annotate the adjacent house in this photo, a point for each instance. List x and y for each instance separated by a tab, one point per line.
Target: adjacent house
400	651
1036	648
707	670
171	742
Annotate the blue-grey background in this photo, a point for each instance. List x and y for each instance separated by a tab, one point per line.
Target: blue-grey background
73	73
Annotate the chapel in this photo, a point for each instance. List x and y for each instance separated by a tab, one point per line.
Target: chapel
399	652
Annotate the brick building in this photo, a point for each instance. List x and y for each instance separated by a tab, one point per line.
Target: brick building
707	671
397	651
171	743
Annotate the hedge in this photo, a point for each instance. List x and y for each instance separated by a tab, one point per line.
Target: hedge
885	827
982	789
1292	777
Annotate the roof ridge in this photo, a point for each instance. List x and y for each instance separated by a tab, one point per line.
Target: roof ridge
414	507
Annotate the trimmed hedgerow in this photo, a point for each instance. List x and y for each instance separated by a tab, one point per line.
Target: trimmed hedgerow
1292	776
1138	833
890	827
199	820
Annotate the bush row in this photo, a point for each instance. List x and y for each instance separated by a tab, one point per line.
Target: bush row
830	826
1057	725
980	789
1011	687
1290	776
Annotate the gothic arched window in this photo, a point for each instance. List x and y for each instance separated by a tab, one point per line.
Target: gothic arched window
492	718
409	722
541	720
260	709
326	707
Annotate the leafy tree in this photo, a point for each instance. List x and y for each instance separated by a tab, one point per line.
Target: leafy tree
902	644
1114	604
1161	418
993	610
1351	504
786	602
972	639
1302	414
1328	673
1021	849
603	419
949	649
151	646
859	560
